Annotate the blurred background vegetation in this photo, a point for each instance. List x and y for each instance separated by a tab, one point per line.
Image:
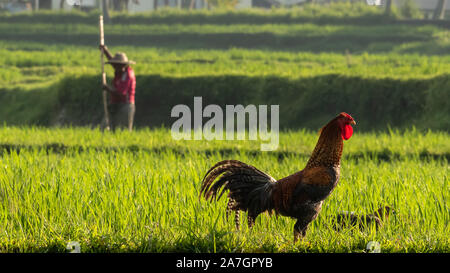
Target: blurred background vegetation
385	64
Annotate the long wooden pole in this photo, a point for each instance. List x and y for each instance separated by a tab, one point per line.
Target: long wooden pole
105	97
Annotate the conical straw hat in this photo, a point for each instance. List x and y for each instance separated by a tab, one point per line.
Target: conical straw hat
120	58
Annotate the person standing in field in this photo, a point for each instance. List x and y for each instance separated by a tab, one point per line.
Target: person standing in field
122	90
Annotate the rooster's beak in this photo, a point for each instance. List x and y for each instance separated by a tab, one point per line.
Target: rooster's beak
353	122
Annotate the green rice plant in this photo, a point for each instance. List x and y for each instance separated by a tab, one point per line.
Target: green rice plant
138	192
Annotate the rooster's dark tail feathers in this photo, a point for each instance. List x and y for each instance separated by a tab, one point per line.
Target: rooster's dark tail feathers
249	188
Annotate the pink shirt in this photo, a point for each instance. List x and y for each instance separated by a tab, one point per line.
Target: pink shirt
125	83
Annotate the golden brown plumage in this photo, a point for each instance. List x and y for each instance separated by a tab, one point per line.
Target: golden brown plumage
299	195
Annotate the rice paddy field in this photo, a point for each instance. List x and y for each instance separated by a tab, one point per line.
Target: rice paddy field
139	191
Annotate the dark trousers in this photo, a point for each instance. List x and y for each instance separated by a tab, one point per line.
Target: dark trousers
122	115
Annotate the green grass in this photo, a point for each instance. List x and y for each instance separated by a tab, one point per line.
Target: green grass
335	12
298	54
24	65
139	192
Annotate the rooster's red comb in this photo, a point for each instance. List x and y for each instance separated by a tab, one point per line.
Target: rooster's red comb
346	115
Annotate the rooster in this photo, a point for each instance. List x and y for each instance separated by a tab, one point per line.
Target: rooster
299	195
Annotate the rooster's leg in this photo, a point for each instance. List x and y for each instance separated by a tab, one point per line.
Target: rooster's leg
251	220
300	228
237	219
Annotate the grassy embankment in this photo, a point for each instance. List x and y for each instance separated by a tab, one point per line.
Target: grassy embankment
383	70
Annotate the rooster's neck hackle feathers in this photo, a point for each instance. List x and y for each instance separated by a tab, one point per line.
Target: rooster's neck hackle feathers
328	150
